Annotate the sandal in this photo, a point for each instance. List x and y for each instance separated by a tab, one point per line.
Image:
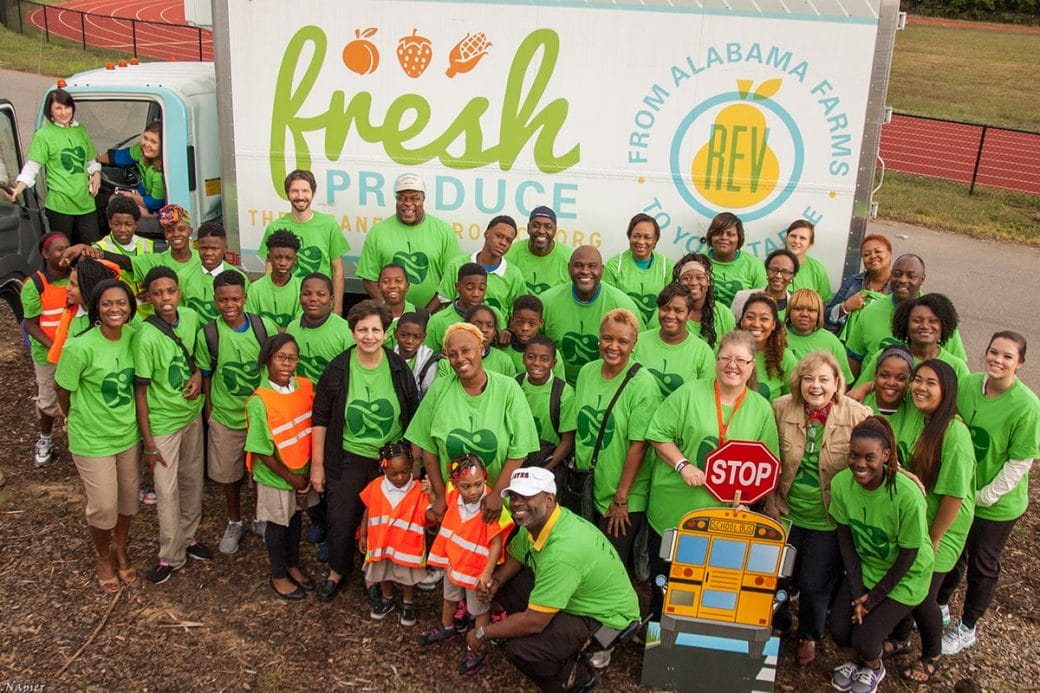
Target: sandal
128	574
895	649
923	670
109	585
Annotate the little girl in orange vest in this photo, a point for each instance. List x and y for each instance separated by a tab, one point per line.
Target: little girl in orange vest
468	549
278	453
392	534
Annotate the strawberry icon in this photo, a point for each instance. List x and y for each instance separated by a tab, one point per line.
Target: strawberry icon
414	53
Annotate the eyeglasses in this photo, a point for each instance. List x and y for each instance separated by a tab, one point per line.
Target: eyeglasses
776	271
286	358
727	360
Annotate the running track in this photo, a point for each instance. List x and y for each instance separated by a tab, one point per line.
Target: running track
108	26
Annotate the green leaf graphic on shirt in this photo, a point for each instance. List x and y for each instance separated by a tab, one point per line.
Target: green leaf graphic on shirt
417	264
647	302
669	381
589	421
240	379
727	288
981	441
178	373
312	366
483	443
73	159
904	451
280	319
538	288
869	540
704	449
368	418
308	260
806	478
207	310
117	389
579	348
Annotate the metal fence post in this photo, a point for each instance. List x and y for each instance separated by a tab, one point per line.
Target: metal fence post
133	34
978	160
83	28
46	26
21	29
199	29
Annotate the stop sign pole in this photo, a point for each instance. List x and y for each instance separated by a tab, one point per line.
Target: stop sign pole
741	471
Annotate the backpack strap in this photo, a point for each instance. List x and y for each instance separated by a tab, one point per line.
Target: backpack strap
555	397
426	367
212	336
606	413
167	329
259	329
38	281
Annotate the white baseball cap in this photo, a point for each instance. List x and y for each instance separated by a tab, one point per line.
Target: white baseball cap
530	481
409	181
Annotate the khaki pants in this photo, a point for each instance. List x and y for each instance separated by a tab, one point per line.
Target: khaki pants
46	392
178	488
111	485
227	453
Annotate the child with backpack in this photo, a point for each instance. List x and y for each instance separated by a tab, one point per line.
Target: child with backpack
552	404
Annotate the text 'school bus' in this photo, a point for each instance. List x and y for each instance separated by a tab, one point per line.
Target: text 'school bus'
723	582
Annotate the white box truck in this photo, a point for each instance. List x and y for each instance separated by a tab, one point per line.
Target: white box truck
771	109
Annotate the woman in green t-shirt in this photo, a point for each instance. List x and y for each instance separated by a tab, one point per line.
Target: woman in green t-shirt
814	423
885	548
641	271
73	176
886	394
708	319
733	269
781	268
95	384
805	333
671	353
800	236
621	481
773	360
943	459
1003	417
150	193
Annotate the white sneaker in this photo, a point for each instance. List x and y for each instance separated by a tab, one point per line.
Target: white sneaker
232	536
259	528
844	676
43	452
958	639
867	680
944	609
432	579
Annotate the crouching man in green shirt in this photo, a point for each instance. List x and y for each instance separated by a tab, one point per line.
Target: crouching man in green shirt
560	582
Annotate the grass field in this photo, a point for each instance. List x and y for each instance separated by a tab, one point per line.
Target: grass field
58	58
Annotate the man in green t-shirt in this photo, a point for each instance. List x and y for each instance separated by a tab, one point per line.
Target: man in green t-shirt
197	286
276	295
542	260
322	243
560	583
422	243
505	282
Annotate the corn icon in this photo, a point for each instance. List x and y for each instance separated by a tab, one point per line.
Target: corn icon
467	53
414	53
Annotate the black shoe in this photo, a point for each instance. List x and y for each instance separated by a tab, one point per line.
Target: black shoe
294	596
382	609
327	590
200	552
307	585
375	594
160	573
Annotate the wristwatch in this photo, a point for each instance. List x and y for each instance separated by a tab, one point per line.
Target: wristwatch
681	464
479	633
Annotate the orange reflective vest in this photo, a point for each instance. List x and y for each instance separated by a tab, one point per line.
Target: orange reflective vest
396	533
53	300
461	548
289	421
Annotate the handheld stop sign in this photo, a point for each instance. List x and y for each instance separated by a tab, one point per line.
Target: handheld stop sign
741	471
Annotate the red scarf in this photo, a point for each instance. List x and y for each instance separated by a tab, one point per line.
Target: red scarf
818	415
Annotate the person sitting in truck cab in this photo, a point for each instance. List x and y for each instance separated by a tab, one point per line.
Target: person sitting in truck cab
150	193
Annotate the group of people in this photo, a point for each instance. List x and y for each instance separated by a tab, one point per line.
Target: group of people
525	422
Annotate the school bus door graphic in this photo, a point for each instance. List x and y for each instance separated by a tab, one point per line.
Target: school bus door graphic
725	567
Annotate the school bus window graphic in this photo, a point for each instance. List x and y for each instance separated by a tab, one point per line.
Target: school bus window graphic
727	554
691	550
763	558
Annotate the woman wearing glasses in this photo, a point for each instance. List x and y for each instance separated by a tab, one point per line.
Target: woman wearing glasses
781	267
814	424
693	421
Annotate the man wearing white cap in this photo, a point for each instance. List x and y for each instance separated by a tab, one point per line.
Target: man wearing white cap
560	582
421	243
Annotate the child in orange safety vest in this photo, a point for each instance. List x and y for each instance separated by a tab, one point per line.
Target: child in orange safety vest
392	534
468	549
278	454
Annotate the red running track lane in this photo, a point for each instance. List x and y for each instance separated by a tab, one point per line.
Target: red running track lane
940	149
109	25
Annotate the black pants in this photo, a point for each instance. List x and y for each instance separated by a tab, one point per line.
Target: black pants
283	545
981	560
625	545
343	489
78	228
866	639
816	574
929	621
658	566
547	658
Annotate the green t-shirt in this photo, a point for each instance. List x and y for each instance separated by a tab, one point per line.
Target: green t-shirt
373	414
1003	428
641	285
801	345
745	271
495	361
197	291
574	326
389	339
279	304
504	283
538	399
445	318
236	376
496	424
960	368
99	374
542	273
141	247
260	441
688	418
321	242
517	357
65	151
882	522
724	322
812	275
895	419
691	359
141	264
869	330
627	423
805	499
576	571
33	308
319	345
161	363
424	250
772	386
151	179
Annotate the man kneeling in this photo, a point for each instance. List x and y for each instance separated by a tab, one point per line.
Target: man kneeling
560	582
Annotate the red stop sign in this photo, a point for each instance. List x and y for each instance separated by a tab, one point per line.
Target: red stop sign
747	466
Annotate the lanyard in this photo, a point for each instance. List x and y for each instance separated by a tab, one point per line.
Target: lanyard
724	425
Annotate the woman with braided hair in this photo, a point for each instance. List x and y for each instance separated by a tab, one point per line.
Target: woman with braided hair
773	360
708	318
